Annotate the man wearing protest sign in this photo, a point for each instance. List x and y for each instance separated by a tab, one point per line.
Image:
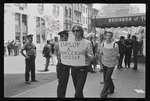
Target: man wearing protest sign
110	56
62	70
79	71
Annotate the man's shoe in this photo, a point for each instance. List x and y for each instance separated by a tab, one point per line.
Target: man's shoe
34	80
110	91
46	70
134	68
28	82
102	82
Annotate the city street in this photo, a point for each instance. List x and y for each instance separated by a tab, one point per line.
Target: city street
128	83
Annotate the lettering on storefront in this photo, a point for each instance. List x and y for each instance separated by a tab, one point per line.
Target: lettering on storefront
123	19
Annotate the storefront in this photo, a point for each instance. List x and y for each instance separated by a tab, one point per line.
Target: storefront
135	20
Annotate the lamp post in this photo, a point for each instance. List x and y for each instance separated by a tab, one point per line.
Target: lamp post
95	27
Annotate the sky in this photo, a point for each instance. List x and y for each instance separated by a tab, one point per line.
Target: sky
141	6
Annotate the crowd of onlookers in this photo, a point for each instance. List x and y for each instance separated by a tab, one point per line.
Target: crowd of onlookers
11	48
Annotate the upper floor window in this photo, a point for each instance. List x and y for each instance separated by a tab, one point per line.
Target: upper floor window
17	18
86	20
70	12
40	7
66	11
24	19
57	10
37	22
86	10
70	24
83	20
81	7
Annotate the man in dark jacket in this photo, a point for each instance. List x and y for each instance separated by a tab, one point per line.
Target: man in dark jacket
121	50
135	51
47	54
128	50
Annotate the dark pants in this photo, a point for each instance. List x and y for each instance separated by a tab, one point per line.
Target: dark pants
9	50
79	75
63	76
47	62
127	58
109	85
120	59
135	59
30	66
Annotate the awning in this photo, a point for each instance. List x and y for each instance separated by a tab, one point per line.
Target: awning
121	21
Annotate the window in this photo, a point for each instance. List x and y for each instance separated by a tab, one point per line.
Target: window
70	12
24	20
24	4
74	6
83	20
78	6
37	22
86	20
17	18
38	37
57	10
40	7
66	24
86	10
54	9
81	8
70	24
66	11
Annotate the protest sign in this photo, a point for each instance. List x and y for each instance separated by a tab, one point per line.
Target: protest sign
72	53
109	57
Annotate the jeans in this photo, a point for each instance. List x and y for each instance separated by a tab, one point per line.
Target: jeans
120	59
79	75
127	58
109	85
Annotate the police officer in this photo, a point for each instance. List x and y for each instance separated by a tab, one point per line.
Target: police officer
128	50
29	59
62	70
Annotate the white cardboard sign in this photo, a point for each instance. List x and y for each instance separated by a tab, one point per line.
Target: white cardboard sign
72	53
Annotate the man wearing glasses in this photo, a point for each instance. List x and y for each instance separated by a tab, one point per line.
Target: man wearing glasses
79	73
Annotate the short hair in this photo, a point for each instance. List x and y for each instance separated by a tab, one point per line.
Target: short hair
80	28
122	37
134	37
48	41
109	32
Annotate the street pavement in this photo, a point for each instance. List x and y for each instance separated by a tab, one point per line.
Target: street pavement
128	83
14	74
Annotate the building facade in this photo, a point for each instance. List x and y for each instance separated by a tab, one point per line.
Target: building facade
77	14
85	18
21	19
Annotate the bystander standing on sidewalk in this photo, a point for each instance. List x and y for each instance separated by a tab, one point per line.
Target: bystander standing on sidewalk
29	59
135	51
47	54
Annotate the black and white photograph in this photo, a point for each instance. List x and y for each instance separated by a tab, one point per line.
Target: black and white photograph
75	50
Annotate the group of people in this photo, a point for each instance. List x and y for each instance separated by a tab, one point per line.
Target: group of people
12	48
78	72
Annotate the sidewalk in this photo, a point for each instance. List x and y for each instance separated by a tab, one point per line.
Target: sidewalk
128	84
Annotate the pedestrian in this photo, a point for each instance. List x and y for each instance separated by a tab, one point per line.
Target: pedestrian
30	56
121	51
52	51
47	54
98	52
9	47
108	69
62	70
90	69
128	50
99	56
135	51
79	73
